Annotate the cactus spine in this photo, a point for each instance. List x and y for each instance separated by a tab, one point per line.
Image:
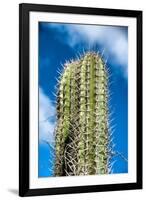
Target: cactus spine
81	139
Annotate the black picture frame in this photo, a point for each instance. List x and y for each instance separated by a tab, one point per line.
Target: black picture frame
24	174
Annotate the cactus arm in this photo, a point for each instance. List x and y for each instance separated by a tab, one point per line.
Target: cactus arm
71	147
63	122
82	120
101	118
92	124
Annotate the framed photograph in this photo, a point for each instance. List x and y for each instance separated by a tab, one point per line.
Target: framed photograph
80	100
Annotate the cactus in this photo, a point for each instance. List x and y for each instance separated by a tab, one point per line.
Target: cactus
82	138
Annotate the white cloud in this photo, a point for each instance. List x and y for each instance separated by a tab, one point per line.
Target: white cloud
110	37
46	118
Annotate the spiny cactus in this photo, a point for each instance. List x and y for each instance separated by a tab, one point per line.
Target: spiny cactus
81	139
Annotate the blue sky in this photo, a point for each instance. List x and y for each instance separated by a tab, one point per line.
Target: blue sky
59	42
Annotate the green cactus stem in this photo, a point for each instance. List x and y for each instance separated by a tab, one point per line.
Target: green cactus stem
81	139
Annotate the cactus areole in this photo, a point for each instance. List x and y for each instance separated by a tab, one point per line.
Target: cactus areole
81	138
